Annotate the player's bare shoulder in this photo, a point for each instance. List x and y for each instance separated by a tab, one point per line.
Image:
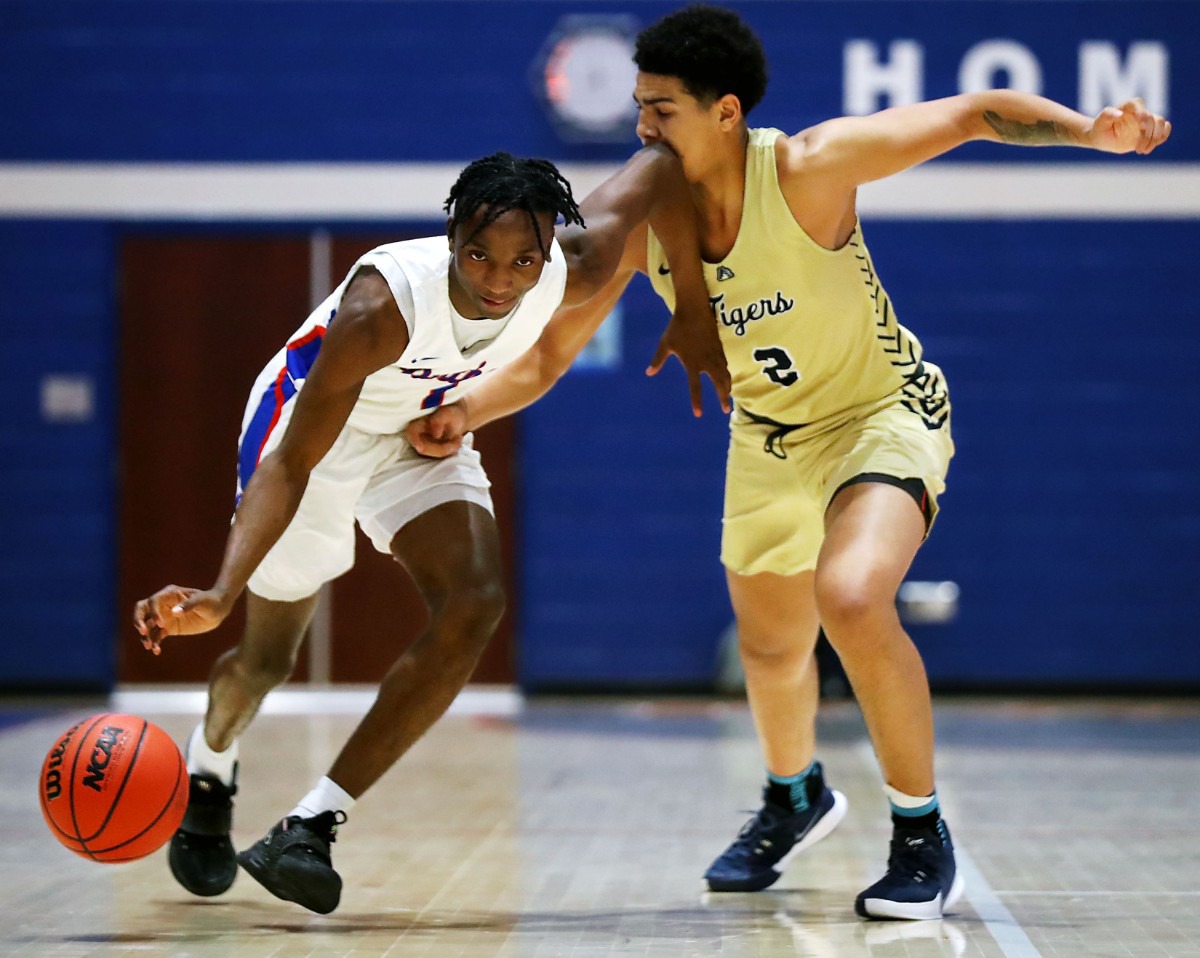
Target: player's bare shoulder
820	197
369	321
807	156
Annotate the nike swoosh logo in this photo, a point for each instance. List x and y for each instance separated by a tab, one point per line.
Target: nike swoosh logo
425	359
663	269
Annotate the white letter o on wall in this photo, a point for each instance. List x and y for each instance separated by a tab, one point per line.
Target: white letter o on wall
985	60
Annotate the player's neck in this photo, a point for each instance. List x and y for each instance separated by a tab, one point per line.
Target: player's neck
719	196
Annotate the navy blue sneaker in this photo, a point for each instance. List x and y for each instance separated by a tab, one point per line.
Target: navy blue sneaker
921	880
292	861
768	841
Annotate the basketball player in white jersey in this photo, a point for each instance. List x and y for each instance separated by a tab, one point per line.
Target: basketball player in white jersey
414	324
840	441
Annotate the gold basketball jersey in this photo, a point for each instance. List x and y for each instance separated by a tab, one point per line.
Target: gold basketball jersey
809	334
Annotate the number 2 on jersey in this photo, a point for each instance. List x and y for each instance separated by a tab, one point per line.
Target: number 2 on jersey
777	365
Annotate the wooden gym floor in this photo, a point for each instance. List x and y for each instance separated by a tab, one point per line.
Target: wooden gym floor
572	828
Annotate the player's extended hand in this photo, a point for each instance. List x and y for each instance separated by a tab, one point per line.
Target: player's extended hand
440	434
692	337
177	610
1129	128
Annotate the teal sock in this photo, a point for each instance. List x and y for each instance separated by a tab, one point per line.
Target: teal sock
790	791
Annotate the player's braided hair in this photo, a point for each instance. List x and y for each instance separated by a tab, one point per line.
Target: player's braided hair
710	49
503	182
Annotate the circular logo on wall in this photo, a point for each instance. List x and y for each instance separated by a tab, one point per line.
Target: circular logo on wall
584	77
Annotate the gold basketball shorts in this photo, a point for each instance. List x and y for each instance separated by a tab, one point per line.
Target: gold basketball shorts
777	488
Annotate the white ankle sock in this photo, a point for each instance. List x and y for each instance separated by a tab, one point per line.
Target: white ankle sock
326	796
202	760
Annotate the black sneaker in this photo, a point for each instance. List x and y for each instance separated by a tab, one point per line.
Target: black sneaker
201	856
292	861
921	880
768	841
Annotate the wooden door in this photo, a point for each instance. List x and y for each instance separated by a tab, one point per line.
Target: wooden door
200	315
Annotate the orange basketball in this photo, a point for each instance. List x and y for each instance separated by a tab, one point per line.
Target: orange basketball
113	788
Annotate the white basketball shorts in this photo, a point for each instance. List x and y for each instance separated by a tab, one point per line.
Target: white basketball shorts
379	481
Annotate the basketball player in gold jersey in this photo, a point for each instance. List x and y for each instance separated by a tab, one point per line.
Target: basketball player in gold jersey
840	440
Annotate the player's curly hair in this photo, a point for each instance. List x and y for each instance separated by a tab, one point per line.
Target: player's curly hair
503	182
710	49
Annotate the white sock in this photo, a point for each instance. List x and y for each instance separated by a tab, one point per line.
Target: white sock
202	760
326	796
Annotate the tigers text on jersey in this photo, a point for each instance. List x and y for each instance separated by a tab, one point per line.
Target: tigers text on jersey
809	333
432	370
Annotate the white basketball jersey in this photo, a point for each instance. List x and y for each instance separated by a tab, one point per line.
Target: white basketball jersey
432	370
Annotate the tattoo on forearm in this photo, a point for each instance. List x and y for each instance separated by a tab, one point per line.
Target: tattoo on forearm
1038	133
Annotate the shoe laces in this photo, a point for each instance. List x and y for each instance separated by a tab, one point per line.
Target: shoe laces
753	834
914	854
324	825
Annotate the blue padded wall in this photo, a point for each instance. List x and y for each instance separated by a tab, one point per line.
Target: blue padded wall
621	523
57	512
1070	522
421	80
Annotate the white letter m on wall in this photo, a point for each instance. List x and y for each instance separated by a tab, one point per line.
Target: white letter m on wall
1105	81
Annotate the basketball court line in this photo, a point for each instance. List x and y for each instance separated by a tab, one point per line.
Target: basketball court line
998	920
1005	930
1039	893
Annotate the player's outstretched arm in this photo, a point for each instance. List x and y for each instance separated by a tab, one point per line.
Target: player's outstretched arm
856	150
692	334
614	210
650	188
523	381
601	259
368	334
1128	128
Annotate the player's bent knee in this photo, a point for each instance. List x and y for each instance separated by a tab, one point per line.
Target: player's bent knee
773	649
471	611
846	607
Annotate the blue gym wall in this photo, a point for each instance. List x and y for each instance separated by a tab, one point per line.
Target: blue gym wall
1071	523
